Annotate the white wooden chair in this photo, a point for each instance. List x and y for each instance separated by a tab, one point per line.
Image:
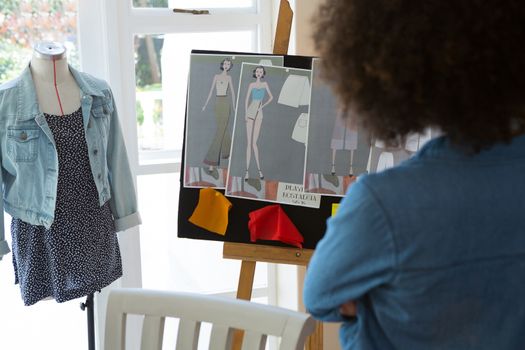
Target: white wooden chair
257	320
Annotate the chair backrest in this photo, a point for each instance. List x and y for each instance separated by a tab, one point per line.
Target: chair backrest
257	320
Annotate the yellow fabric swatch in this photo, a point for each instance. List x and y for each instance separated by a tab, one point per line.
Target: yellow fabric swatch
211	213
335	206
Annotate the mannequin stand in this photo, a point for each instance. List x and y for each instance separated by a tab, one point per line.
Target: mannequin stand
90	305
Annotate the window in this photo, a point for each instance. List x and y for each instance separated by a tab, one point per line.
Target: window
142	48
24	23
161	63
148	48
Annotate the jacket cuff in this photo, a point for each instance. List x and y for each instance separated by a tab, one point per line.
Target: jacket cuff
4	248
129	221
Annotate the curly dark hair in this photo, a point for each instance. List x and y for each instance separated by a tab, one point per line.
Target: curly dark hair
403	65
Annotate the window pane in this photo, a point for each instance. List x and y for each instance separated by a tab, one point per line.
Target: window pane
25	22
194	4
173	263
161	70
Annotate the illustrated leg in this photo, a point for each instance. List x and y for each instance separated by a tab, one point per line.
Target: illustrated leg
256	132
334	152
249	134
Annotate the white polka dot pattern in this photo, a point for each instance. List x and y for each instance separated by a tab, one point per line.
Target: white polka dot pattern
79	253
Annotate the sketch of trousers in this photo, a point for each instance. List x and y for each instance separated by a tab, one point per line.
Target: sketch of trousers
343	136
220	146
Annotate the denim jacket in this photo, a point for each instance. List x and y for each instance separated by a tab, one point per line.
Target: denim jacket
29	160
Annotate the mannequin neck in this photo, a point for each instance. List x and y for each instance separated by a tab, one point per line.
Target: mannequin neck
66	86
43	70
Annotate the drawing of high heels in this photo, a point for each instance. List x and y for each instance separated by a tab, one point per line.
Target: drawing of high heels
246	175
333	169
334	180
213	172
255	183
261	176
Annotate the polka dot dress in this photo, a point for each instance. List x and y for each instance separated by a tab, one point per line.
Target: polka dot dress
79	253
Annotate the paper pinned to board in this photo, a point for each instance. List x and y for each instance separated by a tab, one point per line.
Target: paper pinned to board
335	207
294	194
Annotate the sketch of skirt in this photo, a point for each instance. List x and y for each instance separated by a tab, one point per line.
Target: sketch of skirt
220	146
253	109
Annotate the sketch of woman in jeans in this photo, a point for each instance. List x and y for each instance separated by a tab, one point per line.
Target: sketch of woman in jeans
254	115
220	145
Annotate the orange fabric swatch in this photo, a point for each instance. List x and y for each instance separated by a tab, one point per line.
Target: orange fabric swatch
211	213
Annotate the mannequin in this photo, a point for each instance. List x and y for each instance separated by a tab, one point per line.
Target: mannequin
66	179
49	64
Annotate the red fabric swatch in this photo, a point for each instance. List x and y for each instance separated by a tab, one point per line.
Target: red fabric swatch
272	224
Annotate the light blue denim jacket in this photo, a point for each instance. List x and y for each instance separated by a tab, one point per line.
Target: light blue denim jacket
29	159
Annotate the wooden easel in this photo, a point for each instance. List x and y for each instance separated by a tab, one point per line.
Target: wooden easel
250	254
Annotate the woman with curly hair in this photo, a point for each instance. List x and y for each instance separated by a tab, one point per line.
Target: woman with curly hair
429	254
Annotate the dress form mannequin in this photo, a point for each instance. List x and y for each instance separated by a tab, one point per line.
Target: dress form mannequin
56	89
49	66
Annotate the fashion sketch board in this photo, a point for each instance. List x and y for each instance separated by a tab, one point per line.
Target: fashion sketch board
337	149
310	222
267	157
212	93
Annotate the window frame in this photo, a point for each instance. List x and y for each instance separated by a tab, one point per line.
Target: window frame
106	31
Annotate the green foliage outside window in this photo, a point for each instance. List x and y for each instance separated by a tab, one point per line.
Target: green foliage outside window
26	22
140	113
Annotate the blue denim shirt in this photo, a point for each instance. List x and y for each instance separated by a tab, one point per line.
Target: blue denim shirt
433	251
29	159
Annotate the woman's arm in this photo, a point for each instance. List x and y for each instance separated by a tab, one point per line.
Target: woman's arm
230	81
355	256
211	90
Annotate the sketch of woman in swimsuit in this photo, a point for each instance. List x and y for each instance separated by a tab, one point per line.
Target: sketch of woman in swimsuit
254	115
220	145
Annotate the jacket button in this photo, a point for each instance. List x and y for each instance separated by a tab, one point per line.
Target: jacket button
99	176
23	136
95	152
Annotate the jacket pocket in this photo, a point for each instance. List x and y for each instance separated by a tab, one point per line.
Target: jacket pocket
102	111
22	143
102	114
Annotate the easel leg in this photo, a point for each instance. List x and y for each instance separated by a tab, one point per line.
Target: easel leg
244	291
315	341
